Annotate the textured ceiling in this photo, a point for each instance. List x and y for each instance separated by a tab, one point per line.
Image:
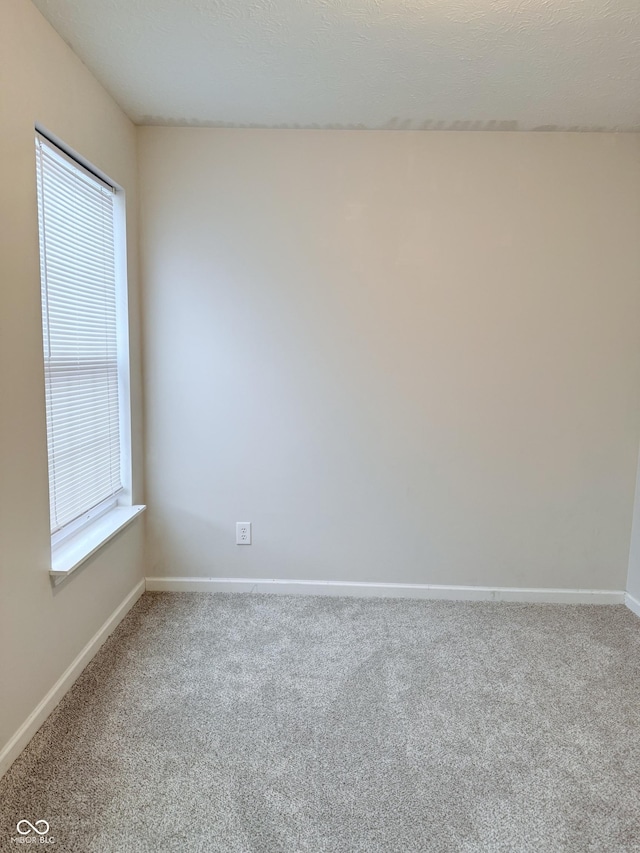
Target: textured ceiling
423	64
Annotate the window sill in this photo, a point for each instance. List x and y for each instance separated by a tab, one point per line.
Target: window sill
76	550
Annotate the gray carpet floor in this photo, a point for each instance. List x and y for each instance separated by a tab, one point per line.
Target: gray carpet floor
269	724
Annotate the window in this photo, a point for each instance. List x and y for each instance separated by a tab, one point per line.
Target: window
83	281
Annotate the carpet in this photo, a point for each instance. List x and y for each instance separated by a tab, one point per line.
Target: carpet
283	724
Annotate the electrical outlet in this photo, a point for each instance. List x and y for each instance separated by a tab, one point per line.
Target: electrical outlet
243	533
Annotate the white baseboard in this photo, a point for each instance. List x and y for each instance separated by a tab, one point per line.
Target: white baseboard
36	718
632	603
387	590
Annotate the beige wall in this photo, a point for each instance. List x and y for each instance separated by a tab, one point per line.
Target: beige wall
403	356
41	629
633	577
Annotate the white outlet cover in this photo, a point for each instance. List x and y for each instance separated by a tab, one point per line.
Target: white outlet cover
243	533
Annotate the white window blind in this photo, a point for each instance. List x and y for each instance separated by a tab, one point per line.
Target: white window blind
78	277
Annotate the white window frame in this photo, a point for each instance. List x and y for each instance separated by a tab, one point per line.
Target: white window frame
77	541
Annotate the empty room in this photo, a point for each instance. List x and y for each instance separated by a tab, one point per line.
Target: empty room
319	426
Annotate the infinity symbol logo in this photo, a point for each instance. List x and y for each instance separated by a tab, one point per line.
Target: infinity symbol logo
30	827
